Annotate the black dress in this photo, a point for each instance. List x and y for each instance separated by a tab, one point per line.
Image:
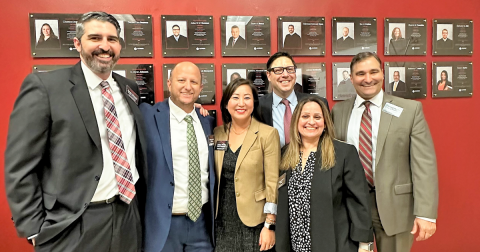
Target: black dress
230	233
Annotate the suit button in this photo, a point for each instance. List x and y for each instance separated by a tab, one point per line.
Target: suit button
238	194
169	206
85	205
97	178
236	179
171	183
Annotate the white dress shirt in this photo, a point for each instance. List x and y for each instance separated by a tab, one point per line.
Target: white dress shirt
178	132
107	186
354	127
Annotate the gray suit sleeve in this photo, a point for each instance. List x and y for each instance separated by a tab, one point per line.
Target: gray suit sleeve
423	164
24	156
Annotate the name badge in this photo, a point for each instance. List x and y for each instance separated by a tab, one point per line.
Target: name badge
392	109
281	180
221	145
132	95
211	140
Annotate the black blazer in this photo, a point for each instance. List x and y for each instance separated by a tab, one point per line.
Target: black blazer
241	43
340	207
401	87
53	159
181	43
266	102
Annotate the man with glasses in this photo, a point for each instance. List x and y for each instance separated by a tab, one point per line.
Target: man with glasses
277	107
177	40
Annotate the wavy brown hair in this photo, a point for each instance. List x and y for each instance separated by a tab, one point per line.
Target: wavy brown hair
291	156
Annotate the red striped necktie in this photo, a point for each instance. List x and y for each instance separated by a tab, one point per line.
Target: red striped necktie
126	187
365	143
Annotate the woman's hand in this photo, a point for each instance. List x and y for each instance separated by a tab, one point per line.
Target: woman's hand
267	239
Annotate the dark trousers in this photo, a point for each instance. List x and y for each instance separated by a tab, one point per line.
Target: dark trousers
114	227
186	235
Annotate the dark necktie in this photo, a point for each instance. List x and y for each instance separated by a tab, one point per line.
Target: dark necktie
123	174
286	120
365	143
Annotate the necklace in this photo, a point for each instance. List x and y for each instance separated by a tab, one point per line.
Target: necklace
236	133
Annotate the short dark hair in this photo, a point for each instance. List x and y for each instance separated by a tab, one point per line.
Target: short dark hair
227	94
95	15
176	26
291	25
363	56
278	55
396	72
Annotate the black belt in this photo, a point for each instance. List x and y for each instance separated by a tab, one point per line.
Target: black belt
371	188
181	214
107	201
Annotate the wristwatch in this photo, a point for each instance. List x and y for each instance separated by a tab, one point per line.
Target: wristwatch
269	226
366	246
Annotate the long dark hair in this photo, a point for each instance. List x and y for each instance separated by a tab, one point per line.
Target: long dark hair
227	94
41	39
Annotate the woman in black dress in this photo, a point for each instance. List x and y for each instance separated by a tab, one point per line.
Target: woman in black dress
398	44
247	157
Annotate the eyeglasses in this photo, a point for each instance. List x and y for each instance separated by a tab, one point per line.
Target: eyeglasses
280	70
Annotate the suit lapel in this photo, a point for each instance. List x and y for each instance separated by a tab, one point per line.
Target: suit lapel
248	142
266	109
84	104
162	117
346	113
383	127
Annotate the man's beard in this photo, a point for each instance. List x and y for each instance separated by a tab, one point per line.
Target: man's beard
95	64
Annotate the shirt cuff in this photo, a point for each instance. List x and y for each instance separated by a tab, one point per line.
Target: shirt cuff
427	219
32	236
270	208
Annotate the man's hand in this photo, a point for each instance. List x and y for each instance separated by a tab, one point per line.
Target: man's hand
426	229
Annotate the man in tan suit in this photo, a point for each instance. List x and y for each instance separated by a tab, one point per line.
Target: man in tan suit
401	165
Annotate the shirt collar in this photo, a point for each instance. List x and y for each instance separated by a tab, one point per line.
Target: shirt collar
179	114
277	100
376	100
92	79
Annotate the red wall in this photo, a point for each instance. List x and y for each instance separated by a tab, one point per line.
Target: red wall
454	127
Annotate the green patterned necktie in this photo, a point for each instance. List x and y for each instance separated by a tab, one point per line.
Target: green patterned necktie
194	174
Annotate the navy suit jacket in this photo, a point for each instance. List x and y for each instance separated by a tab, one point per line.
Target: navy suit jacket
158	209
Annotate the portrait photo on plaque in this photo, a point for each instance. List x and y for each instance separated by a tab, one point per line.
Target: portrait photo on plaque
135	35
405	36
245	35
51	35
187	36
406	79
353	35
142	74
207	71
302	36
452	79
452	37
256	73
312	78
342	84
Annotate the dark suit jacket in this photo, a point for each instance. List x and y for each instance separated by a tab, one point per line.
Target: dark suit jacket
339	207
50	43
182	42
158	212
448	44
292	41
54	159
406	178
266	102
345	44
397	47
241	43
401	87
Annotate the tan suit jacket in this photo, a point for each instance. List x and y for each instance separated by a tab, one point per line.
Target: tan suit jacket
256	171
406	179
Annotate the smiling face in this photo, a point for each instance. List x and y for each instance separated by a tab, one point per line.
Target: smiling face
444	33
185	85
443	76
396	32
241	103
345	31
99	47
367	78
176	30
46	30
235	32
311	122
282	84
291	29
396	76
